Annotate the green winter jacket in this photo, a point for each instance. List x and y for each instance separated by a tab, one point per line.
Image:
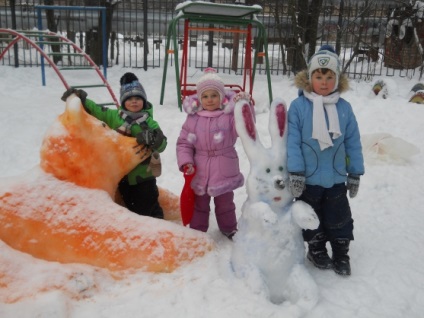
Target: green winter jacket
112	118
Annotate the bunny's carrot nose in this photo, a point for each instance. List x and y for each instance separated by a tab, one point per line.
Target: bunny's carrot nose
279	183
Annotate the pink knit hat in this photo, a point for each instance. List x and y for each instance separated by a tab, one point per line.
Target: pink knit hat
210	80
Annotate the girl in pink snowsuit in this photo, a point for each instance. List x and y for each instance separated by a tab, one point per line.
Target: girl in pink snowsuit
206	142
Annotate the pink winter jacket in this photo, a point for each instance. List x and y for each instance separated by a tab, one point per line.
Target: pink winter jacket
207	141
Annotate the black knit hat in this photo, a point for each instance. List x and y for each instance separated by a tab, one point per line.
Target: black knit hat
130	86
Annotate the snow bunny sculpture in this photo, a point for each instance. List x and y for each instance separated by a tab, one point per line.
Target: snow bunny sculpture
268	251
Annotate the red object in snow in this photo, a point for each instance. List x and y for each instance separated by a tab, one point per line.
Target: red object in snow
187	198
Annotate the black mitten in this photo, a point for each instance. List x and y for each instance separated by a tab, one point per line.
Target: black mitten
145	137
158	138
82	95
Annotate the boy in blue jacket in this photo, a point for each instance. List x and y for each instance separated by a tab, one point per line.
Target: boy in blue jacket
325	157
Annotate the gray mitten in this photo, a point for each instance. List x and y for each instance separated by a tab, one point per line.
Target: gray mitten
151	138
352	185
297	184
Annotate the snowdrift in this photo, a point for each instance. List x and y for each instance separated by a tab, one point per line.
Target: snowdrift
383	147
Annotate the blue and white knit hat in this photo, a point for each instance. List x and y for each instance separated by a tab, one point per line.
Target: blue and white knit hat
326	57
130	86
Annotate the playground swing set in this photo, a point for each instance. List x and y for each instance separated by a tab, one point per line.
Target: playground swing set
225	18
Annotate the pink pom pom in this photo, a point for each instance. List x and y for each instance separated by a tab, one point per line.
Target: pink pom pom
210	70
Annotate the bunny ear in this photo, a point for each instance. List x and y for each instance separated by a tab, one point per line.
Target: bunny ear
246	128
245	124
278	123
248	121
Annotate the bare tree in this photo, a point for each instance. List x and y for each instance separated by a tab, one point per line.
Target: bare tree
305	19
300	38
313	13
95	44
52	26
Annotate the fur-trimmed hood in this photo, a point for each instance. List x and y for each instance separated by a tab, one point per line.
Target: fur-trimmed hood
302	82
191	104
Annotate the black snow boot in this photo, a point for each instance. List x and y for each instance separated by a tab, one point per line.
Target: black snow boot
341	263
317	252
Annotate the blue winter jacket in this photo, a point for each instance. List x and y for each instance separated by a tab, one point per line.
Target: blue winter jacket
330	166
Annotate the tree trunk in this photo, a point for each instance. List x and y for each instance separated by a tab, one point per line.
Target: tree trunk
70	34
312	26
52	26
283	42
340	27
298	13
95	43
15	47
234	61
112	45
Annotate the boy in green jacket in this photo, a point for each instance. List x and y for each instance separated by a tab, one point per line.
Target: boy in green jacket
134	118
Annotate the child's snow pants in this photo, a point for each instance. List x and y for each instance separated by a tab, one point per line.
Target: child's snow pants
225	212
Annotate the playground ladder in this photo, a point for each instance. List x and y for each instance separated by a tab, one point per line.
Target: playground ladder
39	40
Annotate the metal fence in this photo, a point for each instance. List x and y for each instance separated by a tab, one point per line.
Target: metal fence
375	37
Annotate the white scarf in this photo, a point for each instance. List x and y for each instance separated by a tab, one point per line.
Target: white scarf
320	131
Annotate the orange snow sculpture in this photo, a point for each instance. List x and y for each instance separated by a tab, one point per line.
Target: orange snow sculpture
61	213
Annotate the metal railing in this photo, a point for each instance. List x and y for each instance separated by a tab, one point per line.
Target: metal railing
138	35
